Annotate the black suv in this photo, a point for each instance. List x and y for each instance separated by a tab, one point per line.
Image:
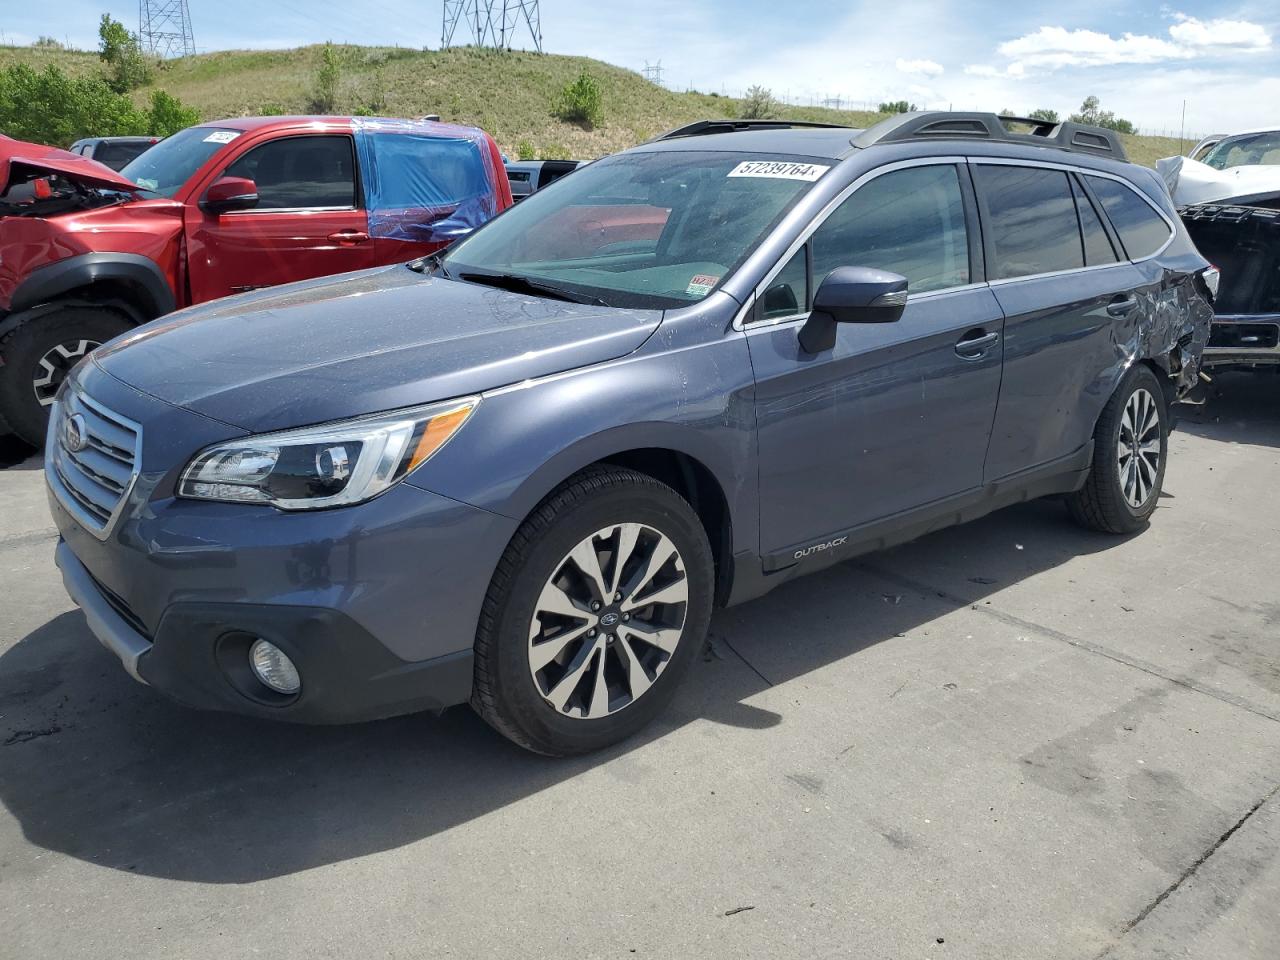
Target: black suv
523	472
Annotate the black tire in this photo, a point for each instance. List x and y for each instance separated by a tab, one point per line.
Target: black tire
38	340
1102	504
505	693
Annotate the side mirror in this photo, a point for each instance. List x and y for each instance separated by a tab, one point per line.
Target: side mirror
230	193
852	295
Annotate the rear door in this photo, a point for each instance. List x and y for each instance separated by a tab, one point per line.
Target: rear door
1069	297
309	220
897	415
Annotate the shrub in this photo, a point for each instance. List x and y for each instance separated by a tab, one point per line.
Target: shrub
168	115
758	104
580	102
1051	116
898	106
50	107
127	68
525	151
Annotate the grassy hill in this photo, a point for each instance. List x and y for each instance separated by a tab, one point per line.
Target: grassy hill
507	94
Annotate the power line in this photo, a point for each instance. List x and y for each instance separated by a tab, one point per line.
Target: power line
164	28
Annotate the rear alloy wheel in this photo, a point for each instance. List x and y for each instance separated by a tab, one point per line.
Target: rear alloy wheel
598	606
38	356
1130	445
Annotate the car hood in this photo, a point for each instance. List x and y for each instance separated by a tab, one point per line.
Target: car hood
361	343
50	160
1190	181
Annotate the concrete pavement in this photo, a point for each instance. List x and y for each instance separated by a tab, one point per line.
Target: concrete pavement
1010	739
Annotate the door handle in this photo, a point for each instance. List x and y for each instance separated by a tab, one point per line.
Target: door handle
1122	307
975	348
348	237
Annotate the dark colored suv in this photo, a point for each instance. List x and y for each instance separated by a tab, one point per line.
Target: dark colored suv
522	473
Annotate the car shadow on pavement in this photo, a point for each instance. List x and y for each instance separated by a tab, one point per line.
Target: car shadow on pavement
98	767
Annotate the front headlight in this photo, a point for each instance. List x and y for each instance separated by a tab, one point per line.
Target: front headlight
331	465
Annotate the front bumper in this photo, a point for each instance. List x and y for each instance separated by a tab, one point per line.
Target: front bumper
199	658
376	604
1243	340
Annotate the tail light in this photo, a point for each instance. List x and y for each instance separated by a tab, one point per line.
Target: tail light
41	189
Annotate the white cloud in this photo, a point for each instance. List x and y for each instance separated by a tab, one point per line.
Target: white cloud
1050	48
922	68
1198	34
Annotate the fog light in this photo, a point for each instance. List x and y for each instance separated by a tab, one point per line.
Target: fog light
273	668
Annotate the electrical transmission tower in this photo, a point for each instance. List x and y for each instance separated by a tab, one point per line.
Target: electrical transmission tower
653	72
491	23
164	28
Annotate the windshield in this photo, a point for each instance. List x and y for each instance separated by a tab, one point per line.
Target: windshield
659	229
1249	150
164	168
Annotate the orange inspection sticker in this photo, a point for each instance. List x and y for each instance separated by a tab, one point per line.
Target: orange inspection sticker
701	284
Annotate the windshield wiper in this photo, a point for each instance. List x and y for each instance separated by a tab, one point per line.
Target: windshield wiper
517	283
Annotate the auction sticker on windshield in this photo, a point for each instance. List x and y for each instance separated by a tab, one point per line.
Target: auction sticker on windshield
779	170
222	136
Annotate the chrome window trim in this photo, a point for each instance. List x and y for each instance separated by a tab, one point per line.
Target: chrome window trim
1084	172
55	483
740	321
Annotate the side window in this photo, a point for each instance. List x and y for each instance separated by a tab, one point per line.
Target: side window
1141	229
300	172
788	294
1097	245
1031	220
909	222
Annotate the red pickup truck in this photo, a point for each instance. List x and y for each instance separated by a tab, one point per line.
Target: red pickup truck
220	208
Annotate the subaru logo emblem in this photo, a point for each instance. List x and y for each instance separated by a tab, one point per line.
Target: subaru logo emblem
73	433
609	619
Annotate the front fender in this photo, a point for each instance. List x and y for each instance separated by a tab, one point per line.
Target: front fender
524	440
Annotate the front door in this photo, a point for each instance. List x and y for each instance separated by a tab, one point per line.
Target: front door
308	222
897	415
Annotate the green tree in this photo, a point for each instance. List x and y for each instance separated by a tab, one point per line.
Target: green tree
1049	116
1091	112
48	43
581	102
758	104
127	68
898	106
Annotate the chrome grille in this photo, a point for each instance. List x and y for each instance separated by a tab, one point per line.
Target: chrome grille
94	481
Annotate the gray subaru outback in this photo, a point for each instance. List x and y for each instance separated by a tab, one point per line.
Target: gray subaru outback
523	473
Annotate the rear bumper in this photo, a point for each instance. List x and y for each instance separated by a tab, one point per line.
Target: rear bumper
199	657
1242	339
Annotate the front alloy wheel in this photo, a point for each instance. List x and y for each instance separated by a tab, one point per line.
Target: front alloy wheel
608	621
598	606
53	367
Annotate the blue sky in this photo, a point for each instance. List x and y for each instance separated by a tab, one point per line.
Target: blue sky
1141	58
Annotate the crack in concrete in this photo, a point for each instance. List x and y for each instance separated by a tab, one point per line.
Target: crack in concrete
26	539
1188	873
1086	645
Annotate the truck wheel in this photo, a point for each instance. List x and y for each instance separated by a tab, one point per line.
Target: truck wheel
598	607
1130	444
39	353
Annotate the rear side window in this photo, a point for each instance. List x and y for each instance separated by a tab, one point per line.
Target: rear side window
300	172
1031	220
1141	229
1097	245
910	222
